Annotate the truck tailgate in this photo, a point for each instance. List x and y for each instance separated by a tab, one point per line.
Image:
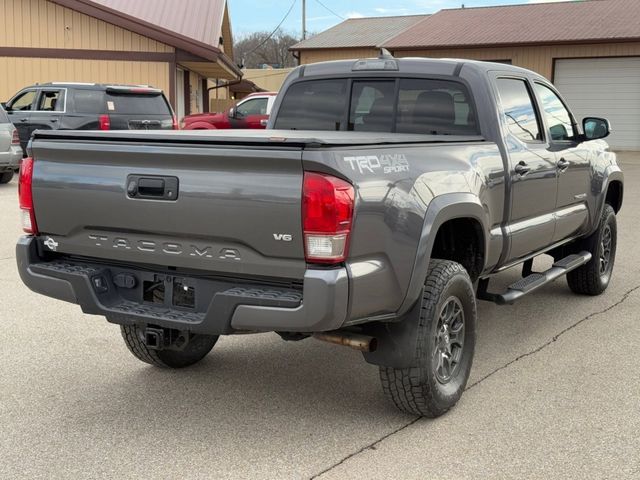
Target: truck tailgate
237	210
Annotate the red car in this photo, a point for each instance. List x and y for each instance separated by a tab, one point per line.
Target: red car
250	112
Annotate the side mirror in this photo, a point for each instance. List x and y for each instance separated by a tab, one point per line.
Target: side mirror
595	128
232	112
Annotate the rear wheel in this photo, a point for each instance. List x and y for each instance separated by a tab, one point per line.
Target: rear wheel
6	177
195	350
444	347
594	276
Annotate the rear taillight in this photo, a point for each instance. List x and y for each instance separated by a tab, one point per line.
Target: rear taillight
327	213
15	138
105	122
25	196
175	124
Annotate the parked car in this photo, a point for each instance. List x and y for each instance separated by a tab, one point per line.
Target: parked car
379	228
10	151
88	106
250	112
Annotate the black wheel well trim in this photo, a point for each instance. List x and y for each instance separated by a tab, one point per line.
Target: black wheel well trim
612	175
442	209
618	183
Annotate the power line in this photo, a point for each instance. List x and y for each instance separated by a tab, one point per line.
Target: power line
329	10
274	31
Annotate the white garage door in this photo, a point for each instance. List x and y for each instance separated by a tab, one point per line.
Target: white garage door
604	87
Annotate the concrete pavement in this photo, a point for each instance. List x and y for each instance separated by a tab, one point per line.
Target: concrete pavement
554	393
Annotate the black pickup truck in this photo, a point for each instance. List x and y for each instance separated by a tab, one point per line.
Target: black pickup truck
372	213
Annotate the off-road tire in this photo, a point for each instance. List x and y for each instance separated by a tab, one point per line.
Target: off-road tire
417	390
589	279
6	177
197	348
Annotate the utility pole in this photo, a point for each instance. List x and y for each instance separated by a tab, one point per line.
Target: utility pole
304	19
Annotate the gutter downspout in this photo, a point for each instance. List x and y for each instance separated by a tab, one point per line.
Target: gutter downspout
227	84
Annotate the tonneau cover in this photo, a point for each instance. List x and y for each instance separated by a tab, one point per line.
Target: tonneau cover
250	137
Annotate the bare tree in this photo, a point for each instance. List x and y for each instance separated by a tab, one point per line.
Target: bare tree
257	49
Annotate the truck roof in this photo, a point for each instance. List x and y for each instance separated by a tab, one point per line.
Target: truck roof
408	65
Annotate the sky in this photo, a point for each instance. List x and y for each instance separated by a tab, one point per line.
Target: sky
249	16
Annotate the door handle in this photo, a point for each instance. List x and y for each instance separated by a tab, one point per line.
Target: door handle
522	169
23	119
54	120
151	187
563	164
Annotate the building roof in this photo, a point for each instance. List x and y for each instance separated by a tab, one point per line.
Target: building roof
360	32
194	26
200	20
538	23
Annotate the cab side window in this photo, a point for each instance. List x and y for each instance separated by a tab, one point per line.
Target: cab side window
256	106
556	114
51	101
518	110
24	101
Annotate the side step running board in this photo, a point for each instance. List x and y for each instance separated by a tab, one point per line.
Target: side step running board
532	281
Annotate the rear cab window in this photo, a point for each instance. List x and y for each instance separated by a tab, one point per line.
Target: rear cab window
435	107
313	105
372	105
402	105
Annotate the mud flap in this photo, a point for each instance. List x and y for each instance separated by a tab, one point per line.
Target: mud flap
397	341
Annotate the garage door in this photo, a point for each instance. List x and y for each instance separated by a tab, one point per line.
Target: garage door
604	87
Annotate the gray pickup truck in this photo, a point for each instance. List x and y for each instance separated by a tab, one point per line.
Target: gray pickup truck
372	213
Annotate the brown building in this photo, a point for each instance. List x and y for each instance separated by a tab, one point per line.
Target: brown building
590	49
171	45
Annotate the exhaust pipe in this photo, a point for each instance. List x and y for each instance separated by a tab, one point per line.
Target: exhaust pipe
363	343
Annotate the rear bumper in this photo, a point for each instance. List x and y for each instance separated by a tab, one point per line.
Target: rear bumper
11	160
220	306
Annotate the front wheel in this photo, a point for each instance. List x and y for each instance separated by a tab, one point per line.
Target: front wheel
195	350
444	347
593	277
